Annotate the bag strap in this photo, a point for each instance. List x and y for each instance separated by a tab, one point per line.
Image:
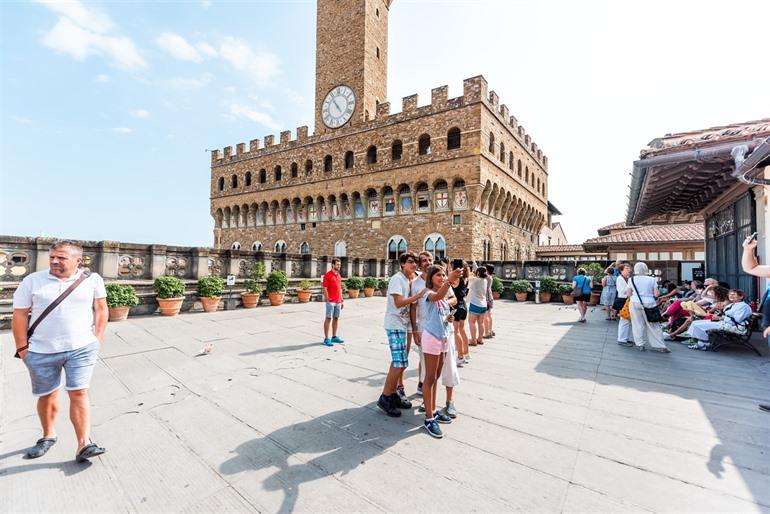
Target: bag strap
56	303
635	289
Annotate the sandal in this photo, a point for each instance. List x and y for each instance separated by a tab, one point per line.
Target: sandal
89	451
41	447
472	343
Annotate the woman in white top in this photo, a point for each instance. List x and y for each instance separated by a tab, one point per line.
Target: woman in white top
643	291
477	300
624	325
734	318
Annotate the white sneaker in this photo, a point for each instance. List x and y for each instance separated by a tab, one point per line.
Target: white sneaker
467	360
460	363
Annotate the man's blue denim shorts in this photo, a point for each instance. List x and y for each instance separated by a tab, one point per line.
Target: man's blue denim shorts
45	369
333	310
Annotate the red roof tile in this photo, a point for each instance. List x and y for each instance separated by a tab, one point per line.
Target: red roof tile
655	234
698	138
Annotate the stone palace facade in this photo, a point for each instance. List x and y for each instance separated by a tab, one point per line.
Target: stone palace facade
457	177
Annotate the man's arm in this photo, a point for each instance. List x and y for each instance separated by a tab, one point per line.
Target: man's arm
19	327
101	314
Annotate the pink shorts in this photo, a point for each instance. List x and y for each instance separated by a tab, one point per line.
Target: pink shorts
433	346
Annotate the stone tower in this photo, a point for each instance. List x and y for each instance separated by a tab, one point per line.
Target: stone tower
352	51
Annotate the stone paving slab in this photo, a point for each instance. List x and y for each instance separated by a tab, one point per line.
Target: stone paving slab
554	417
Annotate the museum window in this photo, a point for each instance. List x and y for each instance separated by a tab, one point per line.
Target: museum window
677	256
221	184
348	160
247	182
423	198
396	247
308	167
510	161
235	246
502	152
435	244
304	248
280	246
388	201
491	143
538	185
396	150
371	155
457	219
485	252
503	251
256	246
405	199
277	172
262	176
340	249
234	181
518	167
378	52
327	163
423	145
526	174
453	138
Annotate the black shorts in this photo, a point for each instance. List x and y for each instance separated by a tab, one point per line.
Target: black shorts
461	314
583	298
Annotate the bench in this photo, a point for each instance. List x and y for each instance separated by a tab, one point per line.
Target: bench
720	338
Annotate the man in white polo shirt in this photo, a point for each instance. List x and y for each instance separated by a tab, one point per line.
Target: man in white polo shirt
66	339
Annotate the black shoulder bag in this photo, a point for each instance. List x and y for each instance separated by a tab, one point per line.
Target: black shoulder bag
651	313
51	307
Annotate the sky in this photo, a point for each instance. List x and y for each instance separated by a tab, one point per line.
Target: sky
108	109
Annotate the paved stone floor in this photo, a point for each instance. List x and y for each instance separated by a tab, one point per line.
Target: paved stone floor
554	417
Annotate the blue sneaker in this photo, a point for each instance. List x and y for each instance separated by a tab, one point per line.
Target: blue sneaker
433	429
337	340
328	342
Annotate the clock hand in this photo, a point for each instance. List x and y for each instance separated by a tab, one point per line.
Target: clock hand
338	107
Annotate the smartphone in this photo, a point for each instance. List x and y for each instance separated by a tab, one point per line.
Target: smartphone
457	263
753	236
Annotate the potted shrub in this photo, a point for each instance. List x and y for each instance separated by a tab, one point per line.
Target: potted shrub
497	288
304	292
120	298
520	288
596	272
565	290
354	285
170	294
369	284
276	286
250	296
548	287
210	291
382	285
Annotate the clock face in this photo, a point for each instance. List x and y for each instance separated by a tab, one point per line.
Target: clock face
338	106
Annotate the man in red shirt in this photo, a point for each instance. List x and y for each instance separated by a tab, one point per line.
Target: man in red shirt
332	283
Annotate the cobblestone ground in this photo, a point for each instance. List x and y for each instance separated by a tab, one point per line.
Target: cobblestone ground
554	417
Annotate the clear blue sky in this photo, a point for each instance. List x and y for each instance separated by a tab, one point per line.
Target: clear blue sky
108	107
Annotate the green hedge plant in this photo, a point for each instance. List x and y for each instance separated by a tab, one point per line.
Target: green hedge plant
169	287
521	286
121	295
565	289
497	285
276	282
211	287
370	283
257	275
548	285
382	283
354	283
305	285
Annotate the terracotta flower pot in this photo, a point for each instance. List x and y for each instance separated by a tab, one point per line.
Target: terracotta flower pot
568	299
368	292
495	296
521	297
595	298
210	303
384	292
353	293
170	306
119	313
275	298
250	300
545	297
304	296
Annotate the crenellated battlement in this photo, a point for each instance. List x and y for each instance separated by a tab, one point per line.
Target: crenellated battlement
475	90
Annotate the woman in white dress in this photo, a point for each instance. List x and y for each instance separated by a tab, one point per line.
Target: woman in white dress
643	291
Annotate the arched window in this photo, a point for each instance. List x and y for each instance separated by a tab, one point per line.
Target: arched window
221	183
396	246
396	150
327	163
234	181
538	185
280	246
453	138
308	167
526	174
491	143
340	249
502	151
262	176
294	170
503	251
435	244
304	248
277	172
485	253
388	201
510	161
348	160
247	182
235	246
371	155
518	167
256	246
441	195
423	145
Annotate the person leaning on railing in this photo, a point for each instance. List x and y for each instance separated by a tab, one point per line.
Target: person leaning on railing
752	267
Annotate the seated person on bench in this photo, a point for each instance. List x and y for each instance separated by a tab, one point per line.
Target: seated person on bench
736	317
